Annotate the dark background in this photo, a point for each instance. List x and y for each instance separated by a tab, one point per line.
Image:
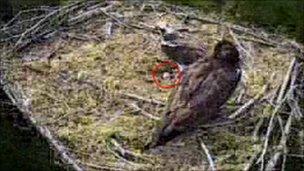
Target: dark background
21	149
277	16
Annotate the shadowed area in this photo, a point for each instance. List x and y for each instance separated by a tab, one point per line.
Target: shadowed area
21	149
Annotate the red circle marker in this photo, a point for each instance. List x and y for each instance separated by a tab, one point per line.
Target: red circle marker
172	65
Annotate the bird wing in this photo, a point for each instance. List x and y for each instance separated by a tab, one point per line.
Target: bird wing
205	96
215	90
179	98
184	53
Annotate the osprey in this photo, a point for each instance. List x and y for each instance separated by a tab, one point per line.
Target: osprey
207	84
181	52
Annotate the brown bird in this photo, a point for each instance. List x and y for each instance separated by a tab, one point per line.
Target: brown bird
180	51
183	53
207	84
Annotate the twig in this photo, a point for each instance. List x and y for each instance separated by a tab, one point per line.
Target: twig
206	151
301	136
114	18
18	15
251	161
281	147
117	114
295	155
249	103
257	41
5	29
277	108
251	33
99	167
77	37
36	27
255	139
240	96
137	97
145	113
126	155
88	14
257	128
294	92
22	36
280	123
286	80
123	159
284	159
203	20
238	43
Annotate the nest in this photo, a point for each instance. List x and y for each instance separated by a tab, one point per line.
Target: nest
81	74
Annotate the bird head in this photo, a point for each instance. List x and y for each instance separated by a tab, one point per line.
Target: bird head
227	52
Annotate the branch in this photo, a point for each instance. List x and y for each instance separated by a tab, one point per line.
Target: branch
209	157
249	103
281	147
5	26
34	29
258	41
95	11
99	167
276	110
238	43
240	29
255	139
137	97
251	161
126	155
143	112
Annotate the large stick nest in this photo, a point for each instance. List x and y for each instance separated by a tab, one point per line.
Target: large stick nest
80	73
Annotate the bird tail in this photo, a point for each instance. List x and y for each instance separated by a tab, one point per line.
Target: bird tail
162	136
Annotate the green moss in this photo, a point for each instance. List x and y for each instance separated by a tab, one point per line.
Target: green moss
233	149
232	142
267	110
